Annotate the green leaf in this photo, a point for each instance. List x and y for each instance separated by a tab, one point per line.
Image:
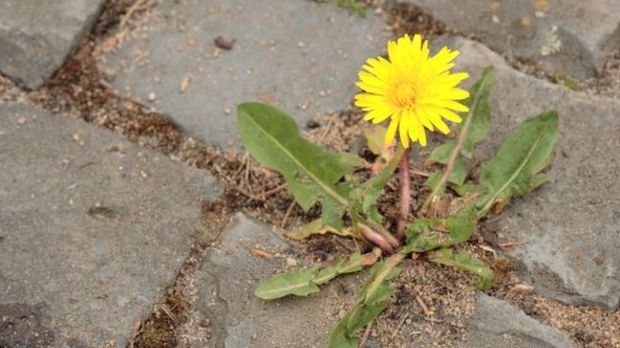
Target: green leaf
305	282
292	283
369	304
514	171
354	5
311	172
449	231
460	228
466	262
365	196
568	82
469	189
480	119
457	176
441	154
340	339
354	264
472	130
315	227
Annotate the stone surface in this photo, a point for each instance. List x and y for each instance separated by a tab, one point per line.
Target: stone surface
566	37
239	319
92	230
300	55
36	37
569	229
496	323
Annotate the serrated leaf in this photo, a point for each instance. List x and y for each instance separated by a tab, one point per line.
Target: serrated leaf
365	196
480	116
377	287
360	318
340	339
469	188
417	227
466	262
537	181
353	264
455	229
472	130
441	154
311	172
297	283
460	228
523	154
332	212
305	282
315	227
457	176
370	303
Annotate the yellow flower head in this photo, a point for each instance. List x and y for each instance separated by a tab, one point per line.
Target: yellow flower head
412	89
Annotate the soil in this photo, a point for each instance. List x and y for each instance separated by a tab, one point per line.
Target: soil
432	302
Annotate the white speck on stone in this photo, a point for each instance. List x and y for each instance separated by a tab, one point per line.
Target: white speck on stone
152	96
539	14
552	42
184	84
495	19
21	120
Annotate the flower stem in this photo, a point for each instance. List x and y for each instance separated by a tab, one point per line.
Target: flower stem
405	195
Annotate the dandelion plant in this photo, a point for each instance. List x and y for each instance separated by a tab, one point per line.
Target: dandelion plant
411	91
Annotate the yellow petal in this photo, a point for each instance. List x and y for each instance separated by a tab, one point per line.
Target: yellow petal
419	130
438	122
423	118
404	137
392	128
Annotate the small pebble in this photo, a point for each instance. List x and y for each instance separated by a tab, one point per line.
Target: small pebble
152	96
291	262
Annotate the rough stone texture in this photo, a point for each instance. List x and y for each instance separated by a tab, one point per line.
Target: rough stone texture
36	37
585	33
497	324
92	229
300	55
569	228
239	319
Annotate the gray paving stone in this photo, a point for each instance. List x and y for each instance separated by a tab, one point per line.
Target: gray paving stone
569	228
566	37
301	55
92	230
239	319
37	36
496	323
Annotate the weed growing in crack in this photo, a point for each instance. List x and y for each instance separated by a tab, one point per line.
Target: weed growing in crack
415	92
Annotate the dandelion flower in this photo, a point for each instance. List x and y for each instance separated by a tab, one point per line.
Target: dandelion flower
412	90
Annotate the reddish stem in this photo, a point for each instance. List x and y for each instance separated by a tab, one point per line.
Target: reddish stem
376	238
405	195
